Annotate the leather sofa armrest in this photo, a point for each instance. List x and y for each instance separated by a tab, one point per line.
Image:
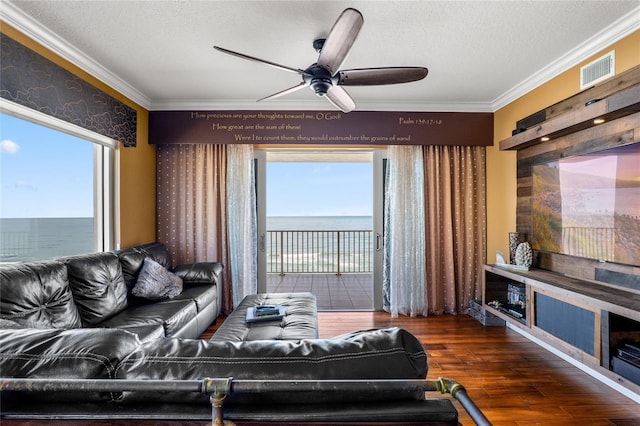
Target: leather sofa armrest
200	273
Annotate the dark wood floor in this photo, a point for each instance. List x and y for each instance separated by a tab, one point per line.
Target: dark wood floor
512	380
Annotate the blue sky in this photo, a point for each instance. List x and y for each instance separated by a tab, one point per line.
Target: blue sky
43	173
319	189
46	173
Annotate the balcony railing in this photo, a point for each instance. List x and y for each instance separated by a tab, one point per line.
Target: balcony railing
319	252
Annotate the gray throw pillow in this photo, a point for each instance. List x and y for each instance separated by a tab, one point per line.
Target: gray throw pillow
156	283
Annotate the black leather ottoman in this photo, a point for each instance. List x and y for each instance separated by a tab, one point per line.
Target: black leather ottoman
300	320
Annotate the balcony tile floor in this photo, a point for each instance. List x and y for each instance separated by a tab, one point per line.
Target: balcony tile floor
346	292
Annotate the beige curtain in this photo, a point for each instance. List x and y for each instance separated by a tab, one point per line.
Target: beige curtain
192	206
455	226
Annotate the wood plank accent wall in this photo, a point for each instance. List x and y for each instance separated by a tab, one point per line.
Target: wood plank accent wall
617	132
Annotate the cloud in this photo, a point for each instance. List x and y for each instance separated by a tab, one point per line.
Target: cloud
21	184
9	147
321	169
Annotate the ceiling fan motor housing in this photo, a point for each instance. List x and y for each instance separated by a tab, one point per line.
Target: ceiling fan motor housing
319	79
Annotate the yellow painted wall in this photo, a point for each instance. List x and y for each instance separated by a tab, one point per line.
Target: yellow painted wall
501	165
136	167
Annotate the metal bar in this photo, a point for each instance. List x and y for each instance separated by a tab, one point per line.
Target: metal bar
459	393
338	255
281	253
99	385
228	385
219	388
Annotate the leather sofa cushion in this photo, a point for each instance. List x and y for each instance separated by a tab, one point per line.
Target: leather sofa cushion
199	273
145	332
172	315
37	295
198	276
202	295
84	353
376	354
98	286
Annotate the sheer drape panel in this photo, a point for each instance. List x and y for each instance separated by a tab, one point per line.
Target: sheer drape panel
242	221
455	226
404	273
192	206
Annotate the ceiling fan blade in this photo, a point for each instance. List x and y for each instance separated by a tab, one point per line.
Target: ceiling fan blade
340	39
379	76
251	58
341	99
284	92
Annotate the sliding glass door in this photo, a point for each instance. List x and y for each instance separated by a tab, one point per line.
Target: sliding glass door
320	225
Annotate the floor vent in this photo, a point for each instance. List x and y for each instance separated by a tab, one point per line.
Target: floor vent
598	70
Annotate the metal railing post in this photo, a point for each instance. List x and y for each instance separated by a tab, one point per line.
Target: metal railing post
338	260
281	253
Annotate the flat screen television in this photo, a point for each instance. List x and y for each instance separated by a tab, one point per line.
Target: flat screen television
589	205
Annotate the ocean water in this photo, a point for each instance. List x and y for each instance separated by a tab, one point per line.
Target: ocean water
28	239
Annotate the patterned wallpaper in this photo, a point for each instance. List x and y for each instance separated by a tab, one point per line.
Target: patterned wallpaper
31	80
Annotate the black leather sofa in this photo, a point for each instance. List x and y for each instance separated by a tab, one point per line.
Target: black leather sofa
76	318
95	291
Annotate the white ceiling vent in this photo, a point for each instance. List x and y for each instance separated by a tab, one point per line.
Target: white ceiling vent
598	70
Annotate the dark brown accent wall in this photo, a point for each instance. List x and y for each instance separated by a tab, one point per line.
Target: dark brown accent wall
321	127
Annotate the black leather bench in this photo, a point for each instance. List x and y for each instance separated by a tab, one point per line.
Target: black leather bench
299	322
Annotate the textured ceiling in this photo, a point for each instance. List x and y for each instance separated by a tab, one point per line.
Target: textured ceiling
480	54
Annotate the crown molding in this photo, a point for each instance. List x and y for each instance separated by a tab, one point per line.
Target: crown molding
614	32
315	105
15	17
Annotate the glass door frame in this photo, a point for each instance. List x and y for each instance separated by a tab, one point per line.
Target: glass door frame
379	155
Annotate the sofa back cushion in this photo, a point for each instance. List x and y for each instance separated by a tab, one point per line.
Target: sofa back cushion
132	259
38	295
83	353
97	285
375	354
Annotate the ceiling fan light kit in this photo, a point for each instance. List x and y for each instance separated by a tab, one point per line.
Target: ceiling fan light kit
325	77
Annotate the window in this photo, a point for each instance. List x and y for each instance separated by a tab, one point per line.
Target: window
56	185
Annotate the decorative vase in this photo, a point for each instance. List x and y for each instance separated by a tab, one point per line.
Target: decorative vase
524	255
514	240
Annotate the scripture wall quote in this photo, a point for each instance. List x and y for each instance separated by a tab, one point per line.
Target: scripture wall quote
321	127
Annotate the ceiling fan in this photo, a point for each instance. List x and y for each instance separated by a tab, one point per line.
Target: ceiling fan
325	77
